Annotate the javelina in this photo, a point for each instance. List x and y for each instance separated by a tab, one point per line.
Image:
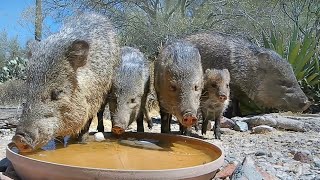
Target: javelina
215	98
130	87
259	73
68	77
178	84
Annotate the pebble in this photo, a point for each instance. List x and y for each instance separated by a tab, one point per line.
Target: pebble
241	126
317	164
303	156
99	136
260	153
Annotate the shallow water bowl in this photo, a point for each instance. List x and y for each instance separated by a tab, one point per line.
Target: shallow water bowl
133	156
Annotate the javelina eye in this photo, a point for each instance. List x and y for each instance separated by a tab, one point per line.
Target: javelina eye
173	88
55	95
227	85
196	88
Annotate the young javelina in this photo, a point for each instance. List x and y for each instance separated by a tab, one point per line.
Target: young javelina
178	84
130	87
68	77
258	73
215	98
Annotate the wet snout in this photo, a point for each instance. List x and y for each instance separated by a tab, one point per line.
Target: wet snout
20	141
189	119
117	130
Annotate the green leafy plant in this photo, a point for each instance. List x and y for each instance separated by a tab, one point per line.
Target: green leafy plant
13	69
302	53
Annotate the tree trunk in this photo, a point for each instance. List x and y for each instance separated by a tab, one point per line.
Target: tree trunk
38	21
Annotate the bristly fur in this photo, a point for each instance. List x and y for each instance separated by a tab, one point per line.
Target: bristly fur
68	77
258	73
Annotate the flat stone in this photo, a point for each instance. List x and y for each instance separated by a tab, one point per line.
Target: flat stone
247	170
241	126
262	129
261	120
226	123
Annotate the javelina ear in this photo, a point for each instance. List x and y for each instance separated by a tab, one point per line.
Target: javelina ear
77	53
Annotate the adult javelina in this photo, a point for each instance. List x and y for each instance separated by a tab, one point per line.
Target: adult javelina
259	73
178	84
68	76
215	98
129	91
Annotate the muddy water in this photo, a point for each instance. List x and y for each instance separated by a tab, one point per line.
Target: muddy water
116	154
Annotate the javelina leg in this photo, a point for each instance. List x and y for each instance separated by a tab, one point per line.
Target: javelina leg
100	126
84	133
149	120
200	119
140	127
217	132
204	127
165	122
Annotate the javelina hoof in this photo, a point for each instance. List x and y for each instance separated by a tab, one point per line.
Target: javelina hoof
217	133
150	124
22	143
117	130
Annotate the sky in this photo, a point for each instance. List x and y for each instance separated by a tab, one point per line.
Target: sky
10	15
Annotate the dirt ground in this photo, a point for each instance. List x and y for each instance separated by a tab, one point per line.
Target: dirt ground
274	151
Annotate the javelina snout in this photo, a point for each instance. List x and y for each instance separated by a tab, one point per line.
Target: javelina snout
222	97
189	119
22	143
117	130
304	105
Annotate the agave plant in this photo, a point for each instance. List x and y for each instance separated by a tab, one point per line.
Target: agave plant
303	55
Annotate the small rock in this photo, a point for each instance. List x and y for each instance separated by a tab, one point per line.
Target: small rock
226	123
226	171
246	170
260	153
262	129
99	136
241	126
261	120
317	164
303	156
4	163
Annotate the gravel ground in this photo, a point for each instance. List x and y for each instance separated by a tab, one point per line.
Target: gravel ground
282	154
